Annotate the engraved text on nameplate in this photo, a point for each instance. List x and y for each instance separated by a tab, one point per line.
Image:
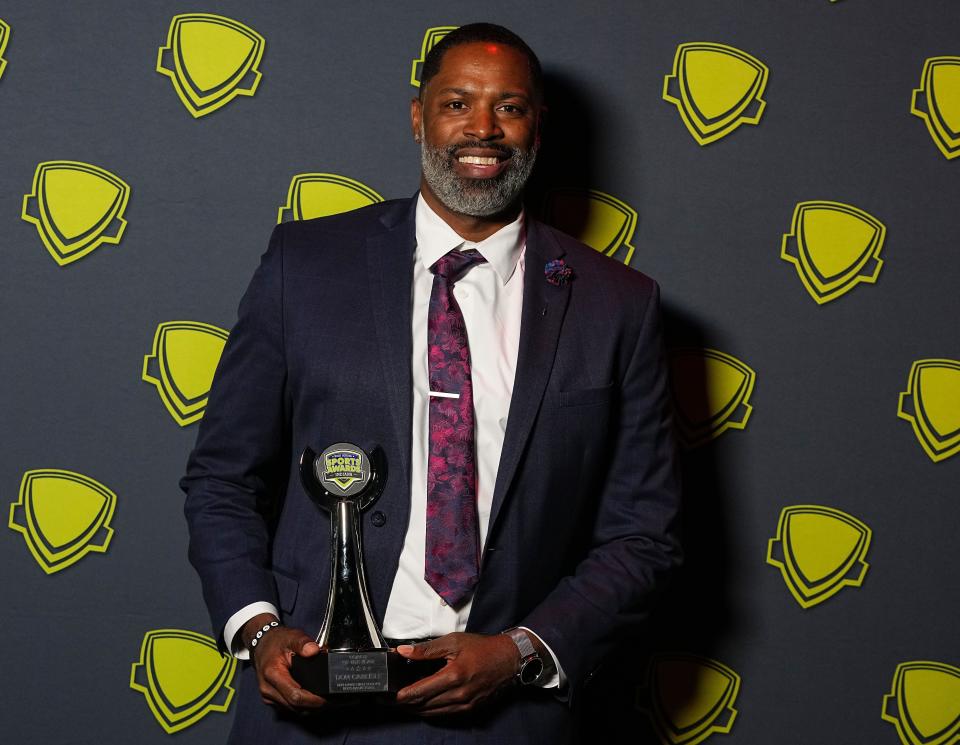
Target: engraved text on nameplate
357	672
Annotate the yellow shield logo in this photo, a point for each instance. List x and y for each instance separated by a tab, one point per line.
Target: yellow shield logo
691	698
430	38
937	102
819	551
321	194
181	366
931	404
834	247
711	391
598	219
4	38
63	516
76	207
716	88
183	677
210	60
924	703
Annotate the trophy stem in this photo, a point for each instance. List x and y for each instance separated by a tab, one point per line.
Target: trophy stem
349	624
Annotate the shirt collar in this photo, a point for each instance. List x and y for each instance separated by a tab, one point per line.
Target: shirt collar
501	250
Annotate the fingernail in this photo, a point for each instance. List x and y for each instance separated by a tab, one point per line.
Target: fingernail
405	648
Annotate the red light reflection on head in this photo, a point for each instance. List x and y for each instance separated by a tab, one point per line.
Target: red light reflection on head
492	48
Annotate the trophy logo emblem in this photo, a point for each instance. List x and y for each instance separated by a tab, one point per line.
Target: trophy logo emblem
345	466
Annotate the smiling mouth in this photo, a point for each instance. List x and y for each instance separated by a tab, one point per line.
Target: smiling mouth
476	160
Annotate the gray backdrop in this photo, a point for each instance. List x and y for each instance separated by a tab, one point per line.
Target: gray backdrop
81	85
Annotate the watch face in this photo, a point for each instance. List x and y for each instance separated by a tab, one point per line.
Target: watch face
531	670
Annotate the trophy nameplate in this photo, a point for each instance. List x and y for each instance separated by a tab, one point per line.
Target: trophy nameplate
354	657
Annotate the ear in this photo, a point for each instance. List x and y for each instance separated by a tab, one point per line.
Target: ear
416	118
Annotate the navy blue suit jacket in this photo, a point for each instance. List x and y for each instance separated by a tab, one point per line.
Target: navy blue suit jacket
586	497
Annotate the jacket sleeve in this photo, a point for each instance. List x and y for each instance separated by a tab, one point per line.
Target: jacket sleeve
238	464
634	540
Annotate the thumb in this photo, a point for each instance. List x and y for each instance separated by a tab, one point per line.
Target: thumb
432	650
308	647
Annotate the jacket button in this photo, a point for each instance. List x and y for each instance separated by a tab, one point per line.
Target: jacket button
378	519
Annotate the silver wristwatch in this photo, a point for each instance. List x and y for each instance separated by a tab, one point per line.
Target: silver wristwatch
531	665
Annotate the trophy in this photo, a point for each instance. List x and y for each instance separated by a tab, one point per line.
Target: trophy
354	657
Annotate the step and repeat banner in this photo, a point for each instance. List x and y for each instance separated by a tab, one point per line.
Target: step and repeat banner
788	171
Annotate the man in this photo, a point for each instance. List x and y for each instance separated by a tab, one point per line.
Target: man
499	364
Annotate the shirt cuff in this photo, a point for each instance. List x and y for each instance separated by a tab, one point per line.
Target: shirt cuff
237	620
558	679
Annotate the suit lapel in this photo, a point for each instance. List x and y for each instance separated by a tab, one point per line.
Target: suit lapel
390	267
390	270
544	306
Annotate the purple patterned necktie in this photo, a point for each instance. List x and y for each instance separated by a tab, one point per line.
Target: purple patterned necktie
452	561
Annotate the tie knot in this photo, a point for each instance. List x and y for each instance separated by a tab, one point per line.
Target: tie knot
453	264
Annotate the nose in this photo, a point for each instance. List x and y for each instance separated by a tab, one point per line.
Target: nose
483	124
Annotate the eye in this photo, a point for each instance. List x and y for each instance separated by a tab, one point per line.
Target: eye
456	105
510	108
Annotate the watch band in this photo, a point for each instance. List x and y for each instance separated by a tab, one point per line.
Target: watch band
531	665
522	640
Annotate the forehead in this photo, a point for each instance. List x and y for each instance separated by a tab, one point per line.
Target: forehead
484	64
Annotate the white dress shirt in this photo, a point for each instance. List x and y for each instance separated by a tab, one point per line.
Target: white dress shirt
490	296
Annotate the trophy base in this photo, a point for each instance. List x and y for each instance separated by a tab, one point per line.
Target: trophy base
379	673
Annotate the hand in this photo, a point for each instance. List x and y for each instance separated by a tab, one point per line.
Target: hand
272	658
478	666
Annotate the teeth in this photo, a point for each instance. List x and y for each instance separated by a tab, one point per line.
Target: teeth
477	161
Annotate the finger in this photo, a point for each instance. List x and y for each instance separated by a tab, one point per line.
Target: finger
436	649
417	694
459	699
297	641
292	695
268	691
452	701
271	696
301	698
309	648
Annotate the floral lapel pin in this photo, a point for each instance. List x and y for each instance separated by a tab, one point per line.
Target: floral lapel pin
557	272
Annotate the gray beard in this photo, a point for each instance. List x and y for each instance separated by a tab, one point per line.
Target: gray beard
475	197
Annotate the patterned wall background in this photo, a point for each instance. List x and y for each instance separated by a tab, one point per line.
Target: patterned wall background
787	170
